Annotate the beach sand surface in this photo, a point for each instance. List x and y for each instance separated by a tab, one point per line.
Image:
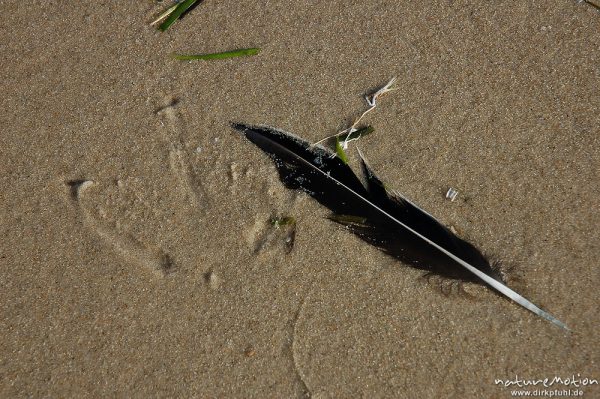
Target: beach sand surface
137	255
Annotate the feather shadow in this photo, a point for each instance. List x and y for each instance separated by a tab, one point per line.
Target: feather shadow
386	220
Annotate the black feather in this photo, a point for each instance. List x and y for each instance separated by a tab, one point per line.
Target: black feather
386	220
290	155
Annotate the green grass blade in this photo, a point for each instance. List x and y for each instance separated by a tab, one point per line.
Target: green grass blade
283	221
339	150
181	8
218	56
363	131
348	219
164	14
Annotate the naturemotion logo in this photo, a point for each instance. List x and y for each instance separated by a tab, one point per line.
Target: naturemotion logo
548	386
572	381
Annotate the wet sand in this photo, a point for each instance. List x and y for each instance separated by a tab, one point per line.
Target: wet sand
137	254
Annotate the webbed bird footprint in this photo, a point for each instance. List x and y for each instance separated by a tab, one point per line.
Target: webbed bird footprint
106	214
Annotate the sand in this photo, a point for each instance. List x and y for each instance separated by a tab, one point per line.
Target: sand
137	255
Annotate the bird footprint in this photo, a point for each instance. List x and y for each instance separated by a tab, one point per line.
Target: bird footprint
110	227
272	233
